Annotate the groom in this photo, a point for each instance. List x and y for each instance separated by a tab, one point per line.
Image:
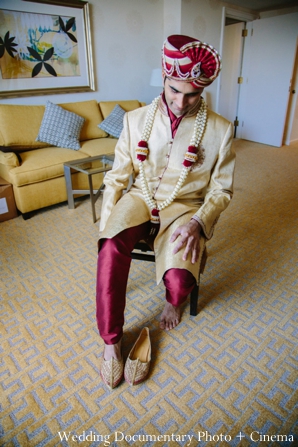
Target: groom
181	156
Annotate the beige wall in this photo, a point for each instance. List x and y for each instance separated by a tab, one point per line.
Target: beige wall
127	36
202	19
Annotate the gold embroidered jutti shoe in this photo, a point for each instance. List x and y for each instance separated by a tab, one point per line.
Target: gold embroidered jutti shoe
138	362
111	372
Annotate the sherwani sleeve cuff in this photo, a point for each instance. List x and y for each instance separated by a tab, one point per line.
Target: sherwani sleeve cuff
207	226
202	226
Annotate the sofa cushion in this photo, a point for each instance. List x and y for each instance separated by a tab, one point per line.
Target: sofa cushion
100	146
106	107
42	164
113	124
19	126
60	127
91	112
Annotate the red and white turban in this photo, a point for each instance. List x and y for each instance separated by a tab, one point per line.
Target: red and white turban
187	59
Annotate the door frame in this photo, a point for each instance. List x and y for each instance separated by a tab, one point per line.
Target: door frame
292	104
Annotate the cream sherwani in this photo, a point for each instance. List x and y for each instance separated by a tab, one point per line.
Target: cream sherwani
206	192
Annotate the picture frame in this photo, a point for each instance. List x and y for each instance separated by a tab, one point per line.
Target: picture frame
45	47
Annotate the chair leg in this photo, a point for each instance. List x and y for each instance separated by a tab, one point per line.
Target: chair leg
194	296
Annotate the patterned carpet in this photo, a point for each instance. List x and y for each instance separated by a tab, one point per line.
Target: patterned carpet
227	377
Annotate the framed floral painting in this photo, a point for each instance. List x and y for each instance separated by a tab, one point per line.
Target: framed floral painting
45	47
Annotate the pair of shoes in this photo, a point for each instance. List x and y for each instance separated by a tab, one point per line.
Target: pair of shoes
111	372
138	361
136	367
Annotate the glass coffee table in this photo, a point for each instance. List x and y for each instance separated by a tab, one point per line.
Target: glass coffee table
88	166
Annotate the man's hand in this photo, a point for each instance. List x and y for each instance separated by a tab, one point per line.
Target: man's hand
189	238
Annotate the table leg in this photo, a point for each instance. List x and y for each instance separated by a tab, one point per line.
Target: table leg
92	197
68	180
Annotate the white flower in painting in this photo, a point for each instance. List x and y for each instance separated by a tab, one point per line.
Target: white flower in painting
62	45
23	42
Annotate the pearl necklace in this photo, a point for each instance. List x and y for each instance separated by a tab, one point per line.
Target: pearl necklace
189	158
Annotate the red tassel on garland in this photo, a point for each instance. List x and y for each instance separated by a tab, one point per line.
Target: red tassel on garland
192	149
141	157
187	163
142	143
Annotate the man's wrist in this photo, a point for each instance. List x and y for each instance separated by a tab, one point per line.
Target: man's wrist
193	219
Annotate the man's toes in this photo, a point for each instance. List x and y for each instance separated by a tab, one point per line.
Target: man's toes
165	324
170	325
174	323
162	324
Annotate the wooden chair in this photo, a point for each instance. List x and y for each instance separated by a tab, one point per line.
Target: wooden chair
143	252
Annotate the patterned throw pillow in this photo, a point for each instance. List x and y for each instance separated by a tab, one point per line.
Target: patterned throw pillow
113	124
60	127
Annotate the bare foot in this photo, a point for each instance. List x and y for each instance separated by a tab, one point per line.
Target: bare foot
112	351
170	317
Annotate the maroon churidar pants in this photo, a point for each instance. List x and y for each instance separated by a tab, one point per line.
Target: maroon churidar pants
114	259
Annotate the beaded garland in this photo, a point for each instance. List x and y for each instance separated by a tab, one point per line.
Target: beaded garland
190	157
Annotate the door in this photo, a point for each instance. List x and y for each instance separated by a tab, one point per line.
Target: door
269	55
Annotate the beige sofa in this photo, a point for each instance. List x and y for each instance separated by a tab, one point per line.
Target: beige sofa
35	169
